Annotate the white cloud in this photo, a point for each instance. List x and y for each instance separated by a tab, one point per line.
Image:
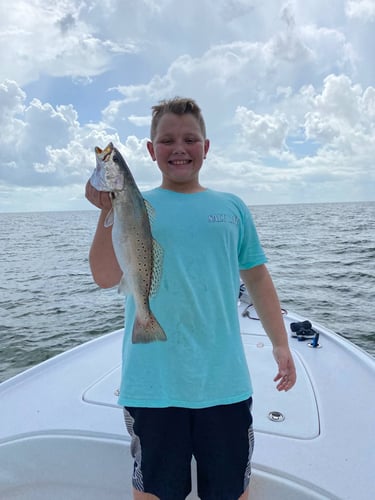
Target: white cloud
50	37
341	119
264	134
42	145
235	9
51	148
360	9
286	89
140	121
253	70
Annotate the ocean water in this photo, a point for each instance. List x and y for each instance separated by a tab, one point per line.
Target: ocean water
321	257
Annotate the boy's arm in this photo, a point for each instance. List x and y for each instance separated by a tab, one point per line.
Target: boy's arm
103	262
260	286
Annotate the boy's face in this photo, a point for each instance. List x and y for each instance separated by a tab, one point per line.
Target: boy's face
179	148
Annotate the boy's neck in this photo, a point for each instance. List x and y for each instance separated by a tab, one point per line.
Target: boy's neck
184	189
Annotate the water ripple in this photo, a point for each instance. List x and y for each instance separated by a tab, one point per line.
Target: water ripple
320	256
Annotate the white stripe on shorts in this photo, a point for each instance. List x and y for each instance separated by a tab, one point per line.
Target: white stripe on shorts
136	452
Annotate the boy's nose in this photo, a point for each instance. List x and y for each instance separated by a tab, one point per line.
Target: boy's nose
179	148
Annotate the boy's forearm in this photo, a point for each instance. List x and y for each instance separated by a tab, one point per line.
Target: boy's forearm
264	296
266	302
103	262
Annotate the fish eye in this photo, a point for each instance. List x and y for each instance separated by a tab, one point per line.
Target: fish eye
115	159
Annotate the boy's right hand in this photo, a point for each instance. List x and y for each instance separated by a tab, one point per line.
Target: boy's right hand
101	199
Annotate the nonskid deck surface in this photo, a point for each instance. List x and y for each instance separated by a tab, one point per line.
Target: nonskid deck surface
296	420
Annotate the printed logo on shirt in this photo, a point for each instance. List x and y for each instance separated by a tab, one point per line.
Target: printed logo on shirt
231	219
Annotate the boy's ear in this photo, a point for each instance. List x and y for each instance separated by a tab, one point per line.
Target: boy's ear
206	146
150	148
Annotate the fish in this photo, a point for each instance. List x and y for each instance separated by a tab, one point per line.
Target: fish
139	255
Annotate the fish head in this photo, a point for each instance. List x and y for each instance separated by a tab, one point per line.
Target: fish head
109	171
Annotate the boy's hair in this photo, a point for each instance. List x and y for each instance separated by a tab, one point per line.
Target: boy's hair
178	106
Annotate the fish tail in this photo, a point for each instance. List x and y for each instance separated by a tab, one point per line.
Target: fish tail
149	331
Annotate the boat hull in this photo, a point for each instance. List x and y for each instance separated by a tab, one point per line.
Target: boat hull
62	434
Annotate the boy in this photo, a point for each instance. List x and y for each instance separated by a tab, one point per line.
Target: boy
191	395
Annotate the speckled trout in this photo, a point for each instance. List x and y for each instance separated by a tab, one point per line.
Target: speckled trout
138	254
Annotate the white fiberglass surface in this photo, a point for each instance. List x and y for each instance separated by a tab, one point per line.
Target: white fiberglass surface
74	467
298	421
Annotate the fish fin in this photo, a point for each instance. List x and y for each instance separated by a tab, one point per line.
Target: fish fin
150	211
109	220
144	333
157	266
123	288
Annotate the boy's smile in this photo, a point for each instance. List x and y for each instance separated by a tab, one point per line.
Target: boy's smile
179	162
179	148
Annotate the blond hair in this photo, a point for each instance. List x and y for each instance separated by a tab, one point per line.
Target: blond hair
178	106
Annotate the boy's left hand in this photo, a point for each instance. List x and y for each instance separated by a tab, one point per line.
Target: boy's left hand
286	375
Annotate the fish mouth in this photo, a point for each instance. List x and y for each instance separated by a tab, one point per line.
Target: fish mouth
104	153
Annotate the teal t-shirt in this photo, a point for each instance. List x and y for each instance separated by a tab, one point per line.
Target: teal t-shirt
206	237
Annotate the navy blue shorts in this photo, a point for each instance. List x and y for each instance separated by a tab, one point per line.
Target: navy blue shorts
164	440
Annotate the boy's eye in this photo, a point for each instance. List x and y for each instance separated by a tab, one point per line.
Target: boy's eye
187	140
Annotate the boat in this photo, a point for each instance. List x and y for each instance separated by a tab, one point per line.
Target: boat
62	434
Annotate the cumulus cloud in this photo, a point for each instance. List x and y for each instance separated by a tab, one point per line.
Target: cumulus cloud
334	126
48	146
52	38
253	70
43	145
341	118
263	134
286	91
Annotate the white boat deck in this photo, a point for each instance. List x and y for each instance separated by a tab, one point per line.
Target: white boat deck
62	434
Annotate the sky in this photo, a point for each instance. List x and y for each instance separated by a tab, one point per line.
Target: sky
287	89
